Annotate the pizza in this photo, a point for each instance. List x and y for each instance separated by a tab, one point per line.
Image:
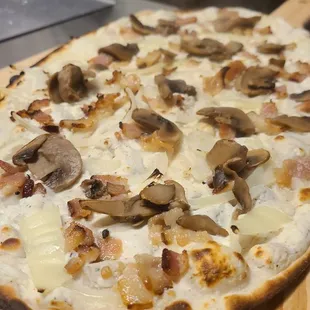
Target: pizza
159	162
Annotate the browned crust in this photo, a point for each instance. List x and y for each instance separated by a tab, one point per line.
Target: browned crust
270	288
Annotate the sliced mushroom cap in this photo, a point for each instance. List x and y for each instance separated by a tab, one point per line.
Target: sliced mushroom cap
223	150
277	62
179	200
292	123
55	161
204	47
167	131
138	27
233	117
132	210
257	157
201	223
270	48
233	47
256	81
167	87
301	97
28	151
67	85
159	194
226	24
120	52
219	180
167	27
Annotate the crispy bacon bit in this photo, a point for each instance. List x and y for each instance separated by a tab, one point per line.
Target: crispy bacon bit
131	131
264	31
28	188
76	211
226	132
132	290
74	265
116	78
214	84
174	264
88	254
298	167
152	273
281	92
110	248
116	189
304	107
11	181
294	76
269	110
101	62
76	235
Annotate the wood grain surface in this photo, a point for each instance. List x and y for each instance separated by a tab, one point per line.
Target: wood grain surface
297	297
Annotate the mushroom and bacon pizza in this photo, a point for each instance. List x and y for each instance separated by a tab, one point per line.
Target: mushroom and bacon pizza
160	162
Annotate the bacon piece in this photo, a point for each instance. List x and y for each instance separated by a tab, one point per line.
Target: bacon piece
281	92
226	131
132	290
102	61
131	131
116	78
292	76
76	235
298	167
174	264
152	273
116	189
304	107
38	104
269	110
76	210
110	248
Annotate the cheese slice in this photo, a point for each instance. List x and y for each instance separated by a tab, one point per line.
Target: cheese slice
44	247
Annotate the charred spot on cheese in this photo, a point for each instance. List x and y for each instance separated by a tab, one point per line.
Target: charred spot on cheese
304	194
67	85
63	166
9	300
215	264
11	244
179	305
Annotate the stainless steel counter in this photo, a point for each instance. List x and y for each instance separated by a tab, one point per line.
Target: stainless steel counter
27	45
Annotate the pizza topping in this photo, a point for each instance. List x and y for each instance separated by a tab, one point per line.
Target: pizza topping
233	117
256	81
76	210
175	265
230	20
181	21
139	27
269	109
131	131
101	62
67	85
167	27
264	31
110	248
292	123
152	273
160	194
277	62
179	199
179	305
263	125
167	87
215	84
301	97
93	188
120	52
52	159
303	67
149	60
9	299
201	223
74	265
270	48
281	92
304	107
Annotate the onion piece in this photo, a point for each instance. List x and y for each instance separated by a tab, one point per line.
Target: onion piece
27	125
261	220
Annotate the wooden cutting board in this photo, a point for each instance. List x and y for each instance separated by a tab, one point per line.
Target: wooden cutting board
297	297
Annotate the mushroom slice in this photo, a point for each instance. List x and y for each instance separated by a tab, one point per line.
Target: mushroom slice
201	223
223	150
167	87
270	48
256	81
179	200
138	27
240	189
277	62
67	85
301	97
229	22
149	60
292	123
219	181
120	52
233	117
132	210
159	194
28	151
257	157
54	160
167	27
167	131
233	47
